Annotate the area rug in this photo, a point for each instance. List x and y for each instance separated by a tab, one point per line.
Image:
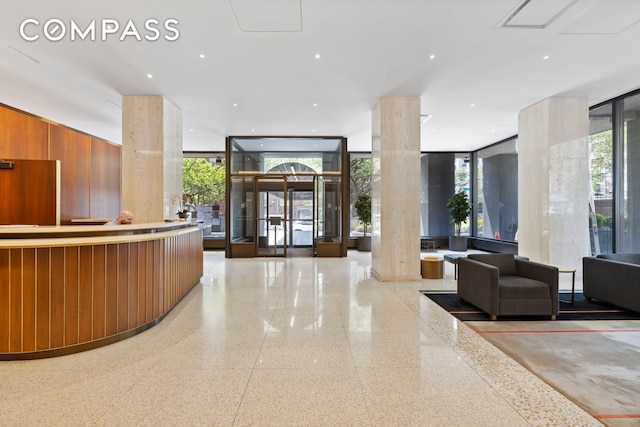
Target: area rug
581	309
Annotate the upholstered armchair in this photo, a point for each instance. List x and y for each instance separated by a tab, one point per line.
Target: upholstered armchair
504	285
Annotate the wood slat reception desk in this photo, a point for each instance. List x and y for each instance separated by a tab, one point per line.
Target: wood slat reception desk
72	288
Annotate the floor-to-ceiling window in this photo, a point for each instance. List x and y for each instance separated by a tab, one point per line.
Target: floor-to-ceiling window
628	174
601	174
496	192
204	195
359	185
614	155
441	176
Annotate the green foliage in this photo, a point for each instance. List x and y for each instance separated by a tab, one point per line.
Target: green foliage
459	210
202	182
363	211
601	160
604	222
360	169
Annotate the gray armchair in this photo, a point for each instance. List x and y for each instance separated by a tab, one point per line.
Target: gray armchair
504	285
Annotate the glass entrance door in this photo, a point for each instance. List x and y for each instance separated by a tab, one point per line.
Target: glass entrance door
271	216
300	214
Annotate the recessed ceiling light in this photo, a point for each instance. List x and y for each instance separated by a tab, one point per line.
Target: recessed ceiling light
235	105
317	56
432	57
191	130
473	105
545	57
253	130
202	55
150	76
315	105
313	130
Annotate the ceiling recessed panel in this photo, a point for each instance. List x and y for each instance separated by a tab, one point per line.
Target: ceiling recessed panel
537	13
268	15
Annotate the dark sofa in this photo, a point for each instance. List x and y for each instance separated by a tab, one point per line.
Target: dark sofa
501	284
613	278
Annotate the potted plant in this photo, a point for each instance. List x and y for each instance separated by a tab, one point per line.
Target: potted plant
363	212
459	211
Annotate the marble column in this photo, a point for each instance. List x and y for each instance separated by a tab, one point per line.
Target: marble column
553	182
395	190
151	158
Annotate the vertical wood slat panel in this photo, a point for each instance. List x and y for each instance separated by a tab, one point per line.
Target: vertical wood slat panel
111	287
85	299
71	294
133	286
43	298
142	282
15	281
150	282
29	299
157	278
99	291
57	298
5	300
123	287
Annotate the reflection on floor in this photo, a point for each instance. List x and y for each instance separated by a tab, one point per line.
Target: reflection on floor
291	341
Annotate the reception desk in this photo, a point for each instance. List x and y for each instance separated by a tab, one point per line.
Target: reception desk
72	288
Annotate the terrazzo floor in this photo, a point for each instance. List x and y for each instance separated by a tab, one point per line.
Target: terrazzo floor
290	342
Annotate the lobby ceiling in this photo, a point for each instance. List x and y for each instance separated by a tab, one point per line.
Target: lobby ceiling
315	67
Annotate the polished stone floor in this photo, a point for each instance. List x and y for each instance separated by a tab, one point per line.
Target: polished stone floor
290	342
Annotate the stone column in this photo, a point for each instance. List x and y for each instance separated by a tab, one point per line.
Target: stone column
395	190
553	182
151	158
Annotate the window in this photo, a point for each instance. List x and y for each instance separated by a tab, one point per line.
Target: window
601	172
203	188
496	192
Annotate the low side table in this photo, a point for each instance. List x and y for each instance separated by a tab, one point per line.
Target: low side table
432	268
573	281
453	259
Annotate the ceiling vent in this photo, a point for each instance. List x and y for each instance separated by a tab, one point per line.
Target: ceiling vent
536	14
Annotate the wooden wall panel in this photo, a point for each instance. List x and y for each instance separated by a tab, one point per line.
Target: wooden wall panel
105	179
5	301
22	136
43	298
85	297
99	291
73	149
28	193
29	299
71	295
